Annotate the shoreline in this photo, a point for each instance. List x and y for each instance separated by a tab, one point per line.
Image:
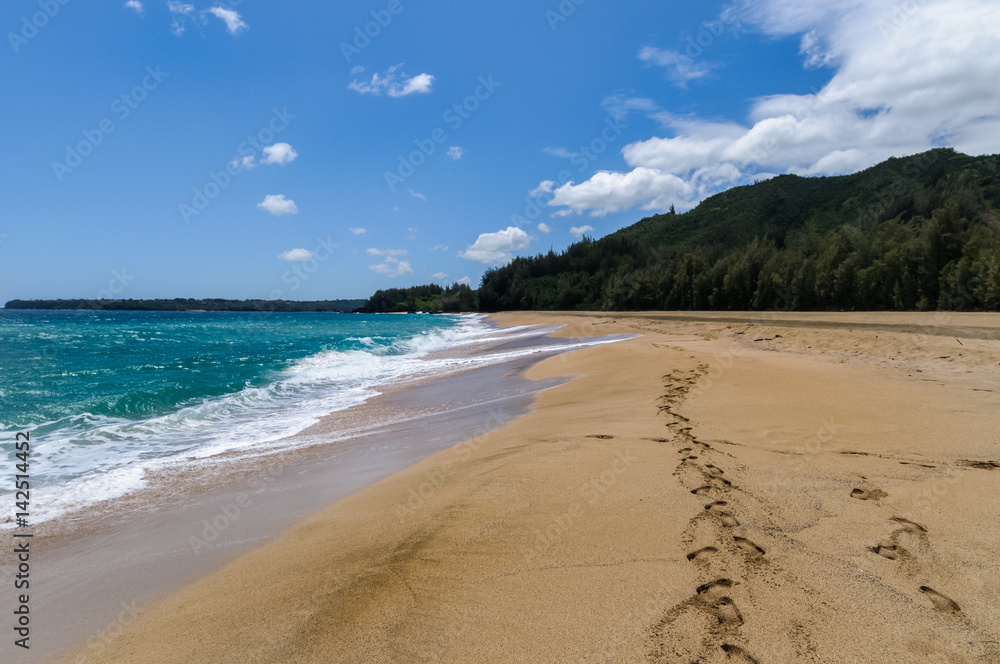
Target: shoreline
154	476
177	477
131	550
795	494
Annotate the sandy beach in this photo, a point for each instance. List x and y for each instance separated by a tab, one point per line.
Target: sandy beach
721	488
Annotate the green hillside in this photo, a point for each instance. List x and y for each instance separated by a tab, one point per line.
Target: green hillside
920	232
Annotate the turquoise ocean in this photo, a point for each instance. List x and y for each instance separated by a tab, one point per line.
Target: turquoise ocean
110	397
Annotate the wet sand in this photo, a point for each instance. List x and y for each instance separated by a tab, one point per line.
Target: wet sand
724	488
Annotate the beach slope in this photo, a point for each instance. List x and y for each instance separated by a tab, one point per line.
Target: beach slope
722	488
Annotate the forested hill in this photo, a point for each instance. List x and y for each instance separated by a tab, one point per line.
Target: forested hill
920	232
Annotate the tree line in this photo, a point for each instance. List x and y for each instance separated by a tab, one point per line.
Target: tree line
429	298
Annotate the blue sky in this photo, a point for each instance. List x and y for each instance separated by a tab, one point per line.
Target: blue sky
542	120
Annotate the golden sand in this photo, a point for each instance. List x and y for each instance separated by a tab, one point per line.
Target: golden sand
741	488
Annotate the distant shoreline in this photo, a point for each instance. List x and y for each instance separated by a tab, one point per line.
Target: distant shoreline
188	304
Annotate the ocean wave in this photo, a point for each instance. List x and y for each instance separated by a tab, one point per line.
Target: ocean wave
88	458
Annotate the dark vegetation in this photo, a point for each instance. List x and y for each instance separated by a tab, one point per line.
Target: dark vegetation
187	304
430	298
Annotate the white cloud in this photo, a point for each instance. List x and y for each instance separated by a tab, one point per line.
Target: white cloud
465	281
391	266
497	248
419	84
357	69
358	231
439	247
417	194
680	68
279	153
136	5
393	84
562	153
607	192
580	231
179	11
296	255
455	152
439	276
544	228
278	205
903	79
544	187
387	252
619	106
234	23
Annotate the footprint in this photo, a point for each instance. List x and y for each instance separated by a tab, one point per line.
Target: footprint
940	602
702	553
713	470
702	490
981	465
684	451
602	436
728	520
909	526
723	608
712	585
863	494
737	654
886	550
718	503
895	549
685	633
749	547
727	613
